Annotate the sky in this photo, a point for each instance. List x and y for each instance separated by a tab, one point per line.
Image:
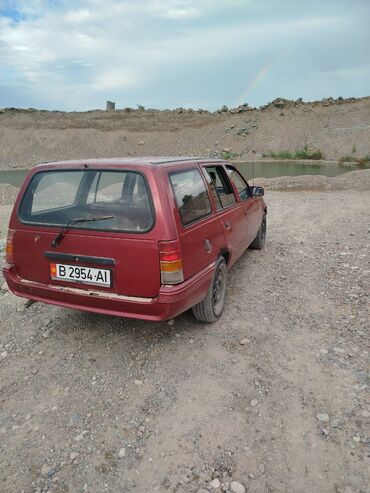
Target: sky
77	54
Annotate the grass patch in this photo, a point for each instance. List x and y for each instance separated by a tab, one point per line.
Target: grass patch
305	153
347	159
361	162
229	155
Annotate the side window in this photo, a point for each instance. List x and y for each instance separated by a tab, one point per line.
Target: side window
109	187
212	186
191	195
220	186
239	182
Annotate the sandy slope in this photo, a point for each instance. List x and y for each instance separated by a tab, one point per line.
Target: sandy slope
334	127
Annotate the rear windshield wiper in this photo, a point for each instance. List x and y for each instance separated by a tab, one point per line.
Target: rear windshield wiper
70	223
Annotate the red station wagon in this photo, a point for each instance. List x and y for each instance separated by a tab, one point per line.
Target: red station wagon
135	237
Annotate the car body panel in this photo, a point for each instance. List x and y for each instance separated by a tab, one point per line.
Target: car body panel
133	258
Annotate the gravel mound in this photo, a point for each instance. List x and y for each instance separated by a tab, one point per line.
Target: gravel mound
353	180
29	137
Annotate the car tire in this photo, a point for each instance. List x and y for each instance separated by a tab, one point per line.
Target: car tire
211	308
259	242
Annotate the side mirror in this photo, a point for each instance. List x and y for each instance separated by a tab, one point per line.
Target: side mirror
258	191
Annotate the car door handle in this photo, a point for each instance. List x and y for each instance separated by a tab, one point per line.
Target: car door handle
227	225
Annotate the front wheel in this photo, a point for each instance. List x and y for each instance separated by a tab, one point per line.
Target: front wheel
211	308
259	242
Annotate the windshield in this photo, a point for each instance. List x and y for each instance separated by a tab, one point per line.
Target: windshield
54	198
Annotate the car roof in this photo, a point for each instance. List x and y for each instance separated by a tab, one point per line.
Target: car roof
139	161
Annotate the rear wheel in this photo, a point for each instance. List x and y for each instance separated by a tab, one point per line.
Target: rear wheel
259	242
211	308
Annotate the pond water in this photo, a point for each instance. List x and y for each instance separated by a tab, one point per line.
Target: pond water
290	168
261	170
14	177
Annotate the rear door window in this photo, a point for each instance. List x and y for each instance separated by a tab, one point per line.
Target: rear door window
220	186
53	198
191	195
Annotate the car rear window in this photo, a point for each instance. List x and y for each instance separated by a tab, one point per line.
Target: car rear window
53	198
191	195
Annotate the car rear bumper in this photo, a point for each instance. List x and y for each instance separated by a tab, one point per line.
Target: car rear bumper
171	300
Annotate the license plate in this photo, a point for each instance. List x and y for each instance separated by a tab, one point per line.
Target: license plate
84	275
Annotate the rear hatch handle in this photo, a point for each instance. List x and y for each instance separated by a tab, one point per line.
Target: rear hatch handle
70	223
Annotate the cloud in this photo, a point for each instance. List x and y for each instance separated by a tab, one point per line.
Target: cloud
115	79
166	52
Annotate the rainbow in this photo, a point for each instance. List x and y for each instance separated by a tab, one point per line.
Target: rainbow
259	77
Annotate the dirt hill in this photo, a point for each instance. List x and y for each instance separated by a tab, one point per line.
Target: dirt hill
336	127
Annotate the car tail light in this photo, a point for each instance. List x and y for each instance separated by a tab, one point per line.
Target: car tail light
171	262
9	257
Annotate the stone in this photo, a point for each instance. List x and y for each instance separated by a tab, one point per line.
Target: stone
202	490
262	468
122	452
323	417
171	322
4	354
356	439
254	402
215	483
139	383
81	436
45	469
365	414
205	476
237	487
244	341
335	423
73	456
141	143
325	432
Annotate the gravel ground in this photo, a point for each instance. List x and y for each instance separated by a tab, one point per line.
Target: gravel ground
271	398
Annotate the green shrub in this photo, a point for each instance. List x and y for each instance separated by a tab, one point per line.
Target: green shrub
229	155
363	162
347	159
315	154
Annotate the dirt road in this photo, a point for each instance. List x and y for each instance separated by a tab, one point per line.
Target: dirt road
273	396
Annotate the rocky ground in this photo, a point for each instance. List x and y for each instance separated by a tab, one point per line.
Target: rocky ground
337	128
274	397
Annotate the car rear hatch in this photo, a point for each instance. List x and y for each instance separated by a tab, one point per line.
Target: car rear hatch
91	229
